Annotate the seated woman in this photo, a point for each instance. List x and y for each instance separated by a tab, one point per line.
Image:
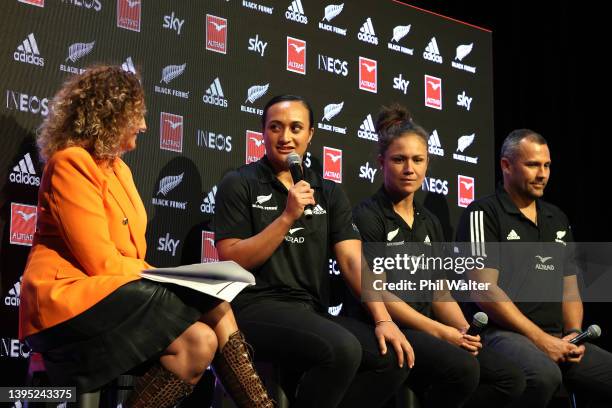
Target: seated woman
454	369
259	224
83	303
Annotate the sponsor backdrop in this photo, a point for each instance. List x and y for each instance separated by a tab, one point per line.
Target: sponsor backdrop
208	69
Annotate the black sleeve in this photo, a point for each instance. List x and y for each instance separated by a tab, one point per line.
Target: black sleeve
371	228
478	234
570	267
340	217
232	212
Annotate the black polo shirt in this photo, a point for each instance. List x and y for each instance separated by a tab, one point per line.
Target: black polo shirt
250	198
531	259
378	223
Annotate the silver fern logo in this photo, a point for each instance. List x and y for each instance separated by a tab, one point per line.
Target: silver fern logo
79	50
463	143
399	32
171	72
169	183
334	310
332	11
256	92
463	51
331	110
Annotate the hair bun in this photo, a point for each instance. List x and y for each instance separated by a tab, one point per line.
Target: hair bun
393	115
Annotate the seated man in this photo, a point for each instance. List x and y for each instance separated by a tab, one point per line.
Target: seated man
536	333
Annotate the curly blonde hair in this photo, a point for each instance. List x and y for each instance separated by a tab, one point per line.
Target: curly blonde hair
92	110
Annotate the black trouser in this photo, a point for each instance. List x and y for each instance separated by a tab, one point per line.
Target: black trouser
338	356
591	378
445	375
501	381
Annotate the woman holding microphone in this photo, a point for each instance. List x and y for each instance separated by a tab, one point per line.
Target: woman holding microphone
454	369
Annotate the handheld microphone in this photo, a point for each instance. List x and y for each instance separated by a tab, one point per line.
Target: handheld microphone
294	161
592	333
479	322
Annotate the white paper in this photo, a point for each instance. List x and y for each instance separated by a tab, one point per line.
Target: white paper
223	280
225	270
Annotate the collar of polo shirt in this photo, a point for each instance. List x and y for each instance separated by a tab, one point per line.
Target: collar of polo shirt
511	208
266	173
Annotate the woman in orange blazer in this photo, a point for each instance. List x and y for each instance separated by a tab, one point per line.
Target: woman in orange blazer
83	304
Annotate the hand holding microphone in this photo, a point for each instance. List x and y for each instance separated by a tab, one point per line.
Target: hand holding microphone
471	337
294	162
479	322
592	333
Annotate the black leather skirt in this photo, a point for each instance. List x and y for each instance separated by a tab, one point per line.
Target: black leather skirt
130	327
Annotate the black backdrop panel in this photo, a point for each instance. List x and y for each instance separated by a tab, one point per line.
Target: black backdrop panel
208	68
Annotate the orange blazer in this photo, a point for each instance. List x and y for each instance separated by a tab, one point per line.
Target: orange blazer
90	239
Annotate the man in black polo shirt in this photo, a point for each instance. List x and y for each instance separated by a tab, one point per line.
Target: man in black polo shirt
534	331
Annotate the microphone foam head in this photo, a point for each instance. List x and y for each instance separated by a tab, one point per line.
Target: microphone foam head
481	318
594	331
294	158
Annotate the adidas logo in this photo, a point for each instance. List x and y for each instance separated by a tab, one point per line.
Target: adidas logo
512	236
128	66
12	299
79	50
171	72
432	53
366	33
318	210
295	12
334	310
28	52
367	130
24	172
208	205
169	183
427	240
435	147
214	94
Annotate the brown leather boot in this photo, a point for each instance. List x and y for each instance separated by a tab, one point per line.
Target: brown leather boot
234	367
158	388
